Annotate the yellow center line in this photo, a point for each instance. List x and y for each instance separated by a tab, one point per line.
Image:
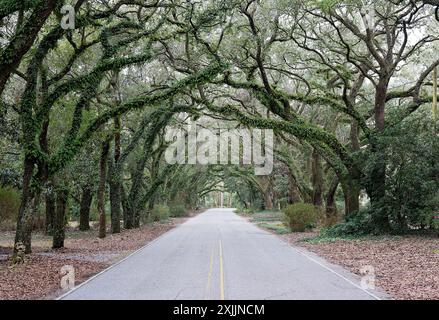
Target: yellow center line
209	276
221	271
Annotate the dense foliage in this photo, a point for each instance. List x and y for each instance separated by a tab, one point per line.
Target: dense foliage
346	86
300	216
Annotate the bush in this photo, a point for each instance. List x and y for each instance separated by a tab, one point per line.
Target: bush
159	213
239	209
244	211
410	197
300	216
357	224
178	210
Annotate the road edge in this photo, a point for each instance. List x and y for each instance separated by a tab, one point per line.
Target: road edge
61	297
350	277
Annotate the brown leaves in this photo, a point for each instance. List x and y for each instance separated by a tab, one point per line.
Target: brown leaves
405	267
39	277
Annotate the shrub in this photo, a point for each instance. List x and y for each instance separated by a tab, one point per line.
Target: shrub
159	213
357	224
410	195
435	224
300	216
239	209
178	210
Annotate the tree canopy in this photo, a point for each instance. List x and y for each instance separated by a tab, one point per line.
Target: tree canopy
349	89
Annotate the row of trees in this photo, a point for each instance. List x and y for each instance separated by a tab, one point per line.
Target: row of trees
84	110
347	87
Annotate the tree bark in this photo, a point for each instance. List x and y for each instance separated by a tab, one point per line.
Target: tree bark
114	181
24	220
351	193
12	54
331	208
137	218
8	7
84	211
127	221
268	199
377	185
50	212
62	195
317	179
293	193
115	202
101	189
355	143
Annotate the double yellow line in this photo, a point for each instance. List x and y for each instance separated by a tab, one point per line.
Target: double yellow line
221	270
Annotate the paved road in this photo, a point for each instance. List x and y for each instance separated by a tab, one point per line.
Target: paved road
219	255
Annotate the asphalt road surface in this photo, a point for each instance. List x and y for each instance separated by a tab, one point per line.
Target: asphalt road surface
219	255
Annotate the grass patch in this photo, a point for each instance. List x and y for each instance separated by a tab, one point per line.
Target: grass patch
327	239
277	227
268	216
322	238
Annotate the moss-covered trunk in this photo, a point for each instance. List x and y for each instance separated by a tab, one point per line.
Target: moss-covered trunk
25	219
84	211
101	189
331	208
127	221
377	179
114	181
317	179
50	212
351	192
59	225
12	54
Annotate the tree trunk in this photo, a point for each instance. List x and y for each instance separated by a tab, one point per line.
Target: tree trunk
59	225
355	143
293	191
115	184
50	212
331	208
84	211
127	221
101	189
136	218
317	179
351	193
150	207
434	105
268	199
115	201
23	234
377	185
12	55
44	169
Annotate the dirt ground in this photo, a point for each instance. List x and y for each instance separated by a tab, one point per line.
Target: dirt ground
40	276
405	267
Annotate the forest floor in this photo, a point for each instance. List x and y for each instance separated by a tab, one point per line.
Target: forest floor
40	276
406	267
